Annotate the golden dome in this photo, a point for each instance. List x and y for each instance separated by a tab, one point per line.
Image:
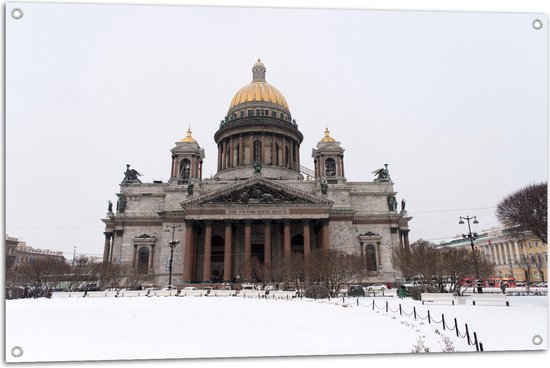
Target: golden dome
327	137
258	90
189	138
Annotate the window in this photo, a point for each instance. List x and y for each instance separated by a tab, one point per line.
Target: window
257	151
242	114
250	112
330	167
274	114
185	169
371	258
143	260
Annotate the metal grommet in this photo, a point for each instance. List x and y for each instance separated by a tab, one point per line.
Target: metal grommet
537	24
16	351
537	340
17	13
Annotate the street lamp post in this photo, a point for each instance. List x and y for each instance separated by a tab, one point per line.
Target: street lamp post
172	245
472	237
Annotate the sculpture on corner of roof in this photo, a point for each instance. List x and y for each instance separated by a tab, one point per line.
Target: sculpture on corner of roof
402	205
130	176
121	203
392	203
190	187
110	207
324	187
383	175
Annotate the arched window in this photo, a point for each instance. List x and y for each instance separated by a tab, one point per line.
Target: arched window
185	169
287	157
143	260
277	155
257	151
330	167
371	258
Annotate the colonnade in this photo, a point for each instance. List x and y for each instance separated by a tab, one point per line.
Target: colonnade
203	230
274	150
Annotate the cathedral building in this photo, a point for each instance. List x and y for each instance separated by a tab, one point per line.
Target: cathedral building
261	204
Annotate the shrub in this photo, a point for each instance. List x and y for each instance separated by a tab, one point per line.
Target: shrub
415	291
316	292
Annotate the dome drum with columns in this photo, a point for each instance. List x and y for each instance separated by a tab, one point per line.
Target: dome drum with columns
258	208
258	128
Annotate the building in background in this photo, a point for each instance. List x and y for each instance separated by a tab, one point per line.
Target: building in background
525	259
19	253
262	205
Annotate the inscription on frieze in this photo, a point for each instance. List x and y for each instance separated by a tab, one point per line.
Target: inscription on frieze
250	211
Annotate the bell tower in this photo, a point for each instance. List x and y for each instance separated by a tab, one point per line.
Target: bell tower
328	158
187	158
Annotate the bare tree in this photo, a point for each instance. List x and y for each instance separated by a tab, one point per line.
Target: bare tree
334	269
428	265
526	210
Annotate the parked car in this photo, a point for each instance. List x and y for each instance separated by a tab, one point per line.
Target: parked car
376	287
356	290
249	287
190	288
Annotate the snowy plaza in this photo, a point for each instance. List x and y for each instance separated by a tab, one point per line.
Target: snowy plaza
88	329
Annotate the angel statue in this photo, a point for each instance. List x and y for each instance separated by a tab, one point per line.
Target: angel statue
131	176
383	174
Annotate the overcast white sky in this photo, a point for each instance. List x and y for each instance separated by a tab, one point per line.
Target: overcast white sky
455	103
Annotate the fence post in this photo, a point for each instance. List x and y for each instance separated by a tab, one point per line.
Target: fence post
429	318
400	311
357	301
467	334
373	305
480	346
456	328
414	311
387	306
443	320
343	301
475	342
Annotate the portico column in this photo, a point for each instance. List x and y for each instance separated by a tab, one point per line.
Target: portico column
286	241
267	248
247	249
500	256
228	253
307	240
505	247
107	247
325	237
188	252
518	256
406	240
207	251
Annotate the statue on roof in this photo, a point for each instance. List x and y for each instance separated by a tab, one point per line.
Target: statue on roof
257	166
383	175
130	176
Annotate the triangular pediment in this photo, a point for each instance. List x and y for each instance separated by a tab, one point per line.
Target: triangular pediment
256	191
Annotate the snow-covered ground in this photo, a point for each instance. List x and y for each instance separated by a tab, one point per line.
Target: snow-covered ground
84	329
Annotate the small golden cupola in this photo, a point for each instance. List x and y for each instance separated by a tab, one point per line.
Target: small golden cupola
328	158
187	158
189	138
327	137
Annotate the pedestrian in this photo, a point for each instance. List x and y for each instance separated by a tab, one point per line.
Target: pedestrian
503	287
479	286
